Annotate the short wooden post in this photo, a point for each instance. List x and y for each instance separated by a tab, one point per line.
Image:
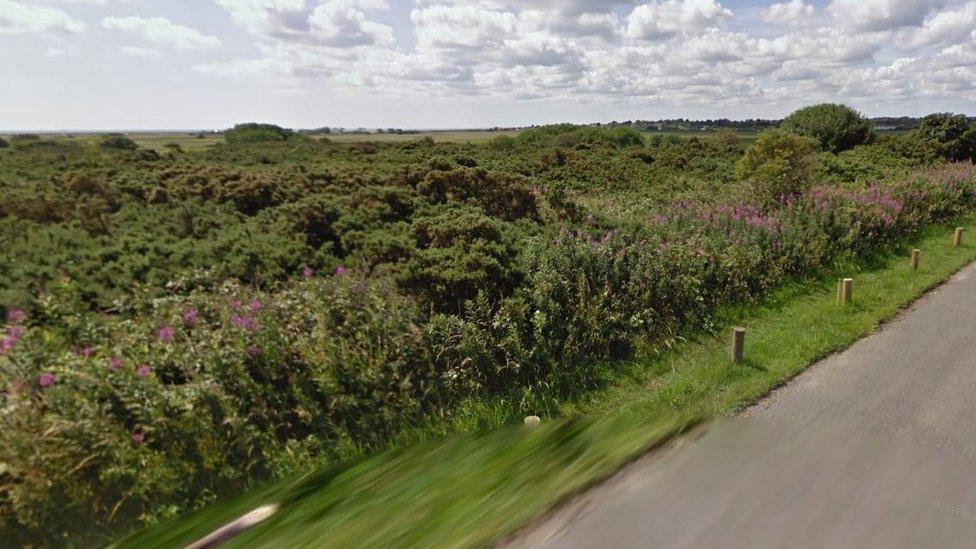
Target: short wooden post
846	290
914	259
840	289
738	340
957	238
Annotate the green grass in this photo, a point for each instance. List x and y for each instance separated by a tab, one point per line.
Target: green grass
473	489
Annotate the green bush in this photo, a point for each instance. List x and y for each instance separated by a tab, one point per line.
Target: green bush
3	143
117	141
836	127
569	135
208	392
502	143
253	132
779	163
954	136
499	195
460	252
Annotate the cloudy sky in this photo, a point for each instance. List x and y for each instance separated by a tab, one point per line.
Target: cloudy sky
142	64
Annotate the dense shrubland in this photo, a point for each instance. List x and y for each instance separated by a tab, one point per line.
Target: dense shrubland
182	325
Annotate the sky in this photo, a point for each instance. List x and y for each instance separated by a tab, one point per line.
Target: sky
195	64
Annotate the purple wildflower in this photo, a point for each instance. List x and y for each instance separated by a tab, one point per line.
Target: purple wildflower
256	306
15	316
138	437
165	334
244	322
308	272
46	379
253	351
114	363
190	317
143	371
84	352
13	336
340	270
236	303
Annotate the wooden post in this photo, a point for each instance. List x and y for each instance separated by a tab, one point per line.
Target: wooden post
846	290
914	259
738	340
840	289
957	238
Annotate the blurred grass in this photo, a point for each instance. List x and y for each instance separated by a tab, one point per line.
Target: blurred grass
474	489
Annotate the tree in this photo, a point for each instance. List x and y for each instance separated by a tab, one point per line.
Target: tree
951	133
836	127
253	132
778	163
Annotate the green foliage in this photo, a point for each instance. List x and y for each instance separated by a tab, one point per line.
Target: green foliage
208	392
911	147
952	134
253	132
460	252
498	195
117	141
778	163
836	127
502	143
569	135
3	143
395	284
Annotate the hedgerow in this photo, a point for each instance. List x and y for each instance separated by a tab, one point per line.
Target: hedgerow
181	328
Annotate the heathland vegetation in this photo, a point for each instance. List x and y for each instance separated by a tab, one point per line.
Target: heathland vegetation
183	325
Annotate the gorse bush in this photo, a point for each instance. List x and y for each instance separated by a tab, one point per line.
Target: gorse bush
183	327
836	127
953	135
117	141
778	163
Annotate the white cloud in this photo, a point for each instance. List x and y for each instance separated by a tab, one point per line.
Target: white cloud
635	56
162	31
461	27
340	23
792	12
664	19
143	53
881	15
336	23
96	2
950	26
16	18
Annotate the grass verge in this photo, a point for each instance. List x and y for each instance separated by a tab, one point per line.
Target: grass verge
473	489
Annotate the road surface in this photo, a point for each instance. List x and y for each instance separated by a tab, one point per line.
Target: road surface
872	447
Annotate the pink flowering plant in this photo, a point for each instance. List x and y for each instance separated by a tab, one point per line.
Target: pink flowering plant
125	411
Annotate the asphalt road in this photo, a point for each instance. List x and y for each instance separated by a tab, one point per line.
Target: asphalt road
872	447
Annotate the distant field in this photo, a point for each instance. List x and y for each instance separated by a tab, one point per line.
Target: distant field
447	136
158	140
190	141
